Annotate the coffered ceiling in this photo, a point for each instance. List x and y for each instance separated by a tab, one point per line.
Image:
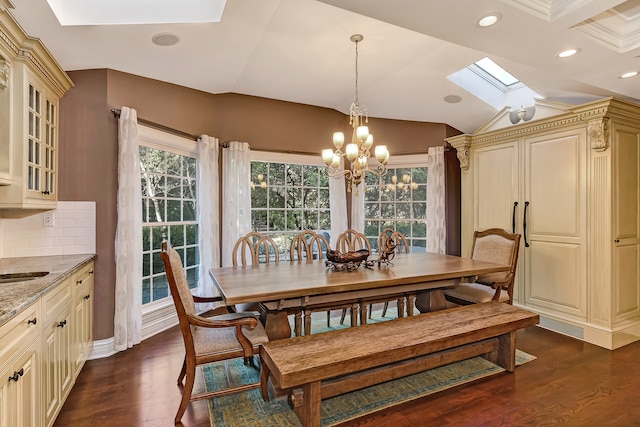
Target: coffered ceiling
299	51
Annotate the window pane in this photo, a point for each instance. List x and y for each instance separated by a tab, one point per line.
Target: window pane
169	212
297	198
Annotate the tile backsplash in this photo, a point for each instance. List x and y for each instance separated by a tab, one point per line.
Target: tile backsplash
73	232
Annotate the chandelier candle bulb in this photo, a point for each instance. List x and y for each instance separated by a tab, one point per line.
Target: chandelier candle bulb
381	153
328	156
369	142
336	161
352	151
338	139
362	132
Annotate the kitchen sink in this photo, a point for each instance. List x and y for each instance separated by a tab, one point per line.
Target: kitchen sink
21	277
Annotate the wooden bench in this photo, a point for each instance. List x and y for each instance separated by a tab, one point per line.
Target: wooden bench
315	367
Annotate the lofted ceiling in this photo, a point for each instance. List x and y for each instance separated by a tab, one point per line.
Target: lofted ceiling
299	51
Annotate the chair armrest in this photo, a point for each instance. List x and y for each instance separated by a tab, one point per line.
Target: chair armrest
250	321
197	298
208	322
502	283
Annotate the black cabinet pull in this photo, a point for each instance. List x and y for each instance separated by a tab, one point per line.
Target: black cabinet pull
62	324
513	218
524	225
87	296
32	321
91	272
45	192
79	282
16	375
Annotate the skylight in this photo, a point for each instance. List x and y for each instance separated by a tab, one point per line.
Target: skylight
494	85
496	71
116	12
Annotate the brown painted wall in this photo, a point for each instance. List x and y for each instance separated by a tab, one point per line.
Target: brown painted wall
88	141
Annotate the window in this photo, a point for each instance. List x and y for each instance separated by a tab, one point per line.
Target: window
168	179
289	194
398	200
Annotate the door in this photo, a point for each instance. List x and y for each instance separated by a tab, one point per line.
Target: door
554	222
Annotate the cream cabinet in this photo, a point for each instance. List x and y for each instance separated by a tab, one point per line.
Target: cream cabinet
57	349
34	84
82	316
20	370
569	184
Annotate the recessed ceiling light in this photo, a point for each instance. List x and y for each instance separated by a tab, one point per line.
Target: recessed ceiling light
165	39
628	75
567	53
452	99
489	19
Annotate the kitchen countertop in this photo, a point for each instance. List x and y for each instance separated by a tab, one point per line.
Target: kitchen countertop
17	296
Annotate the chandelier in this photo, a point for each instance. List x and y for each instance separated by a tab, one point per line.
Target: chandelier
358	150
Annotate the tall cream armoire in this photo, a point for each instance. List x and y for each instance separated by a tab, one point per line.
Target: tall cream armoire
568	181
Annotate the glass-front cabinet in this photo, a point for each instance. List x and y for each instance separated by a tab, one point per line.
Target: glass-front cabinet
34	83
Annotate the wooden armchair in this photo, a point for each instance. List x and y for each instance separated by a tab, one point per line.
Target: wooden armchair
208	339
494	245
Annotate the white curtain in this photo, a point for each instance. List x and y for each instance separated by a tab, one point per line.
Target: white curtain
236	193
436	214
208	214
357	207
128	243
338	206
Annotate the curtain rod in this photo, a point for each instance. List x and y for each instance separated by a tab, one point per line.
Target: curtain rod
116	114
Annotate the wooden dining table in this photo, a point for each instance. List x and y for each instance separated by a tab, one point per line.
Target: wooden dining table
286	286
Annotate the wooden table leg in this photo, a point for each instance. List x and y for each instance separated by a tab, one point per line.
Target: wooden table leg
277	325
431	300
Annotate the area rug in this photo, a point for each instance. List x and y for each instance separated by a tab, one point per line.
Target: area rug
248	409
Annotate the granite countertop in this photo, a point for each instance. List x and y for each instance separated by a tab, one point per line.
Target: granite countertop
17	296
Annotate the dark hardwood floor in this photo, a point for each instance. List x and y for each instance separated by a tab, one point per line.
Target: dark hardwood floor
571	383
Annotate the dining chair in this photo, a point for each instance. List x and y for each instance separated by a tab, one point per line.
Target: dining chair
351	240
348	241
208	339
310	246
494	245
257	247
401	246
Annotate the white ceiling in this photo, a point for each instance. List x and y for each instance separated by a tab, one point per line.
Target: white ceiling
299	50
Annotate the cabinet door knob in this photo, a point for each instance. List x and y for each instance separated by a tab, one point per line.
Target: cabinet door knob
87	296
617	240
62	324
79	282
16	375
32	321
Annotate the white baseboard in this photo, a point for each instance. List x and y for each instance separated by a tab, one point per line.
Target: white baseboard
153	323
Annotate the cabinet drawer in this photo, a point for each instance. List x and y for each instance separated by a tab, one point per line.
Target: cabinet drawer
19	331
83	279
56	300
